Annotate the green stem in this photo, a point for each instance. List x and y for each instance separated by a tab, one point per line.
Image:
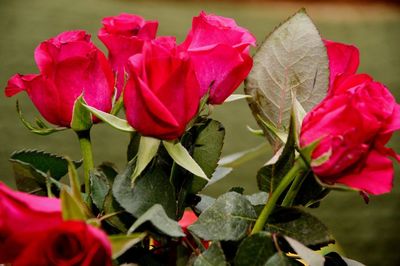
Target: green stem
293	190
273	198
86	149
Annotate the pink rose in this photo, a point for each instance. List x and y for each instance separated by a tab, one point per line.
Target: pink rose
70	65
72	243
162	94
22	218
354	123
123	35
219	49
343	59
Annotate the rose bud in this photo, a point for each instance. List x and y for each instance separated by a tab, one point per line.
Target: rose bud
70	65
71	243
219	49
353	124
22	218
123	35
162	94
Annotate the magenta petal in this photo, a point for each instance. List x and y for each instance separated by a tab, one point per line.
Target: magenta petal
343	59
376	177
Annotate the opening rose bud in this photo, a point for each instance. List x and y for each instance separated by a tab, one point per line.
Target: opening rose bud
123	35
219	49
354	122
70	65
162	94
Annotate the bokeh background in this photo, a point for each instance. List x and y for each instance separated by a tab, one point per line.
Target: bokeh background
369	233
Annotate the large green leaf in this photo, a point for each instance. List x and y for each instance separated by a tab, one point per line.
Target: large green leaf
213	256
228	218
158	218
150	188
32	167
297	224
291	61
255	250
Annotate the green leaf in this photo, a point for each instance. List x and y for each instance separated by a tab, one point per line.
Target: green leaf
71	208
255	250
55	165
297	224
99	188
206	152
205	202
158	218
308	255
228	218
293	58
213	256
151	188
41	128
259	198
81	117
33	167
236	159
74	182
148	148
311	192
110	119
182	157
235	97
122	243
280	259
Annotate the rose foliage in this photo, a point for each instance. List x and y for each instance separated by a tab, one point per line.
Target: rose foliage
328	125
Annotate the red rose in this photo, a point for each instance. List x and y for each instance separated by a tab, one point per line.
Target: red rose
162	94
219	49
123	35
354	123
22	218
70	65
71	243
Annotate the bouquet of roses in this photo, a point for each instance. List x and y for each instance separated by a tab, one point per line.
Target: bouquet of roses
328	127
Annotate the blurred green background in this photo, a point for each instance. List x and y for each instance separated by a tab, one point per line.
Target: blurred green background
369	233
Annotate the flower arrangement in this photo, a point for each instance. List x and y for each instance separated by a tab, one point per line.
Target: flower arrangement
328	126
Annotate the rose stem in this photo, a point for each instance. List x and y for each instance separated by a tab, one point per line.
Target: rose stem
273	198
293	190
86	149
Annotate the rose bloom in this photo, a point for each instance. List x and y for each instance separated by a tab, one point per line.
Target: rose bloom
353	123
70	65
72	243
22	218
219	49
32	233
162	94
124	35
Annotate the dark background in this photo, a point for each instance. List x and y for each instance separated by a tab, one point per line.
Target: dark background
369	233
